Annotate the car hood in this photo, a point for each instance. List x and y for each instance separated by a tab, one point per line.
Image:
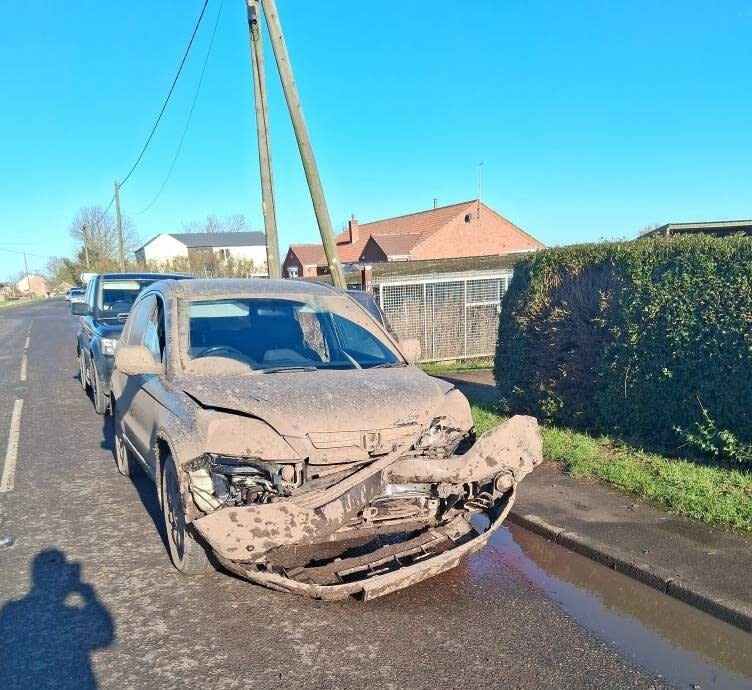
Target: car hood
300	402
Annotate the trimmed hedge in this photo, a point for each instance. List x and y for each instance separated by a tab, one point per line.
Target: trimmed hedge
650	340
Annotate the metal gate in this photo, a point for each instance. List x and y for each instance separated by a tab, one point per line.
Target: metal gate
454	315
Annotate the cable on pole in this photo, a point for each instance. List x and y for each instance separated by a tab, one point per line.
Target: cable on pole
188	120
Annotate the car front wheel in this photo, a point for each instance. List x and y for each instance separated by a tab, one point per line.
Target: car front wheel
82	371
187	554
123	457
98	396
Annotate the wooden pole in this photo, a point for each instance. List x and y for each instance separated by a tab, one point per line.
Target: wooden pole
264	148
118	220
304	142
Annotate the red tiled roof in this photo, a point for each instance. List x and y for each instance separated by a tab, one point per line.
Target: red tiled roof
309	254
396	245
398	236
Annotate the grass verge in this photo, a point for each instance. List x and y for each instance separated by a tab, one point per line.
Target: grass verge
712	494
434	368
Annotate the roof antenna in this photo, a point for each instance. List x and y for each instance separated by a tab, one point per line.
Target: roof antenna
480	185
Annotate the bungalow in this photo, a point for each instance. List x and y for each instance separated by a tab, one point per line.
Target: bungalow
460	230
718	228
167	247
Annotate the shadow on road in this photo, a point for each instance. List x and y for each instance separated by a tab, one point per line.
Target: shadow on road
49	635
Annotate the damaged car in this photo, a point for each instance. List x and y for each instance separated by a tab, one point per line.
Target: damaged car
293	442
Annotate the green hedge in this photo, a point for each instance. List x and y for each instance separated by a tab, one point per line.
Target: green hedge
650	340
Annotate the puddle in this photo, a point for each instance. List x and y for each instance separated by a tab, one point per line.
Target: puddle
652	630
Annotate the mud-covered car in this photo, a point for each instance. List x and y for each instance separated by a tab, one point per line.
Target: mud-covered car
293	442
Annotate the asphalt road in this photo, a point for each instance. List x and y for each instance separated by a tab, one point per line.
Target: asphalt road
89	597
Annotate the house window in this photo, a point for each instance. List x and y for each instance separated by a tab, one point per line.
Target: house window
292	272
225	254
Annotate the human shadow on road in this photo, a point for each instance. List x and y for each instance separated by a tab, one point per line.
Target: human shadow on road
147	490
49	635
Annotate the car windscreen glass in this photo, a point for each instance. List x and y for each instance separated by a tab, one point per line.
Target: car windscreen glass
116	297
76	293
271	334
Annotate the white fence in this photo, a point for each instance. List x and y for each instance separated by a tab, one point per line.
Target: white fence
454	315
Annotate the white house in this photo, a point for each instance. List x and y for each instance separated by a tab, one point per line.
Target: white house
238	245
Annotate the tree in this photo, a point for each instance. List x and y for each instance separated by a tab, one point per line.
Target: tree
60	269
648	228
97	233
235	222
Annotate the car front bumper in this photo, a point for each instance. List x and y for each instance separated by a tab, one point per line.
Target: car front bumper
254	541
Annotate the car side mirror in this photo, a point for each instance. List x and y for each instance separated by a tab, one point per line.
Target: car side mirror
411	349
133	360
79	308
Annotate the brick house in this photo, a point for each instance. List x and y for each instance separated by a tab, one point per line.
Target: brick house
460	230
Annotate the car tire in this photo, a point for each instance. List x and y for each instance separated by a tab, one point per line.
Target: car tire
101	403
187	554
124	459
82	371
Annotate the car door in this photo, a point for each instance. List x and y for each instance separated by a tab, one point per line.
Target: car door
126	388
86	323
146	404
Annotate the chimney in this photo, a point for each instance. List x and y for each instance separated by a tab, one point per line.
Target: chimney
352	226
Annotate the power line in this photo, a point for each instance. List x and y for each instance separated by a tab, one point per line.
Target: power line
190	115
164	105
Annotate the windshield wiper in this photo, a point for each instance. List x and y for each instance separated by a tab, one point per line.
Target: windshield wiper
274	370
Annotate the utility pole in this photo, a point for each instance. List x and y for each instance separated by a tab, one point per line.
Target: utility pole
86	247
264	149
121	248
480	184
28	282
304	142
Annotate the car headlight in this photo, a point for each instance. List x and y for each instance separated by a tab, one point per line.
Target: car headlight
108	346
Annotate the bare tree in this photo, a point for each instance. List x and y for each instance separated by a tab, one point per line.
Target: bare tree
647	229
235	222
97	233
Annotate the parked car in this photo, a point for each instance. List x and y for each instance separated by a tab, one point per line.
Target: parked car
104	307
293	442
75	295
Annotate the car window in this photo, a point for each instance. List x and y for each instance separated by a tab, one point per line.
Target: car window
268	333
116	297
154	331
135	326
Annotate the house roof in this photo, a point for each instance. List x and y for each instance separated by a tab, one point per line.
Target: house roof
396	245
201	240
309	254
399	235
724	227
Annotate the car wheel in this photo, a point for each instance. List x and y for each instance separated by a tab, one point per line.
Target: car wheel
82	371
99	398
123	457
187	554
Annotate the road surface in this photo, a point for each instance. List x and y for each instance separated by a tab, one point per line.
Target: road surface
89	597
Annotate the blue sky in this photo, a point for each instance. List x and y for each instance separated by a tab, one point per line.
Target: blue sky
592	119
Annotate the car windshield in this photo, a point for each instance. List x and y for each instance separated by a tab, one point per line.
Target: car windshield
271	335
77	292
117	297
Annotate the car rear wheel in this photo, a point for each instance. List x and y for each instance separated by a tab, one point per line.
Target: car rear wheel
97	395
82	371
187	554
123	457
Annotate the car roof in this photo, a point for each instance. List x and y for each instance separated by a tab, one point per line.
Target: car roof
243	287
142	276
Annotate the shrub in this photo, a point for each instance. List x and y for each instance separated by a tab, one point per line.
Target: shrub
641	339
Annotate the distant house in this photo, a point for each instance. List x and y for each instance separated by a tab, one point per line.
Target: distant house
218	245
34	285
718	228
461	230
6	291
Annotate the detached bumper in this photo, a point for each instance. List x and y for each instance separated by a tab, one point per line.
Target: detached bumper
394	577
246	539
